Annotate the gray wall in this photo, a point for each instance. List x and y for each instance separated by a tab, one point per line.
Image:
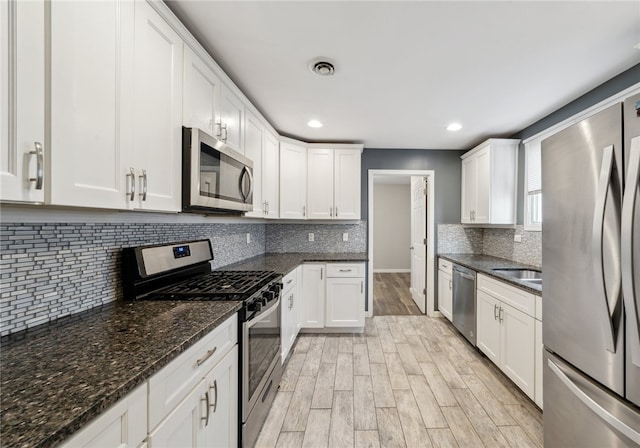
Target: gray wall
392	227
602	92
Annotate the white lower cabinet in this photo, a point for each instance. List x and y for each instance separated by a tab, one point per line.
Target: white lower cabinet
290	315
124	425
207	417
507	334
313	292
445	289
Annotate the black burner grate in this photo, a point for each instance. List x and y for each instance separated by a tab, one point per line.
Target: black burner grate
226	285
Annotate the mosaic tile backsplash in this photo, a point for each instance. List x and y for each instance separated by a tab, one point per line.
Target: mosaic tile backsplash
458	239
327	237
53	270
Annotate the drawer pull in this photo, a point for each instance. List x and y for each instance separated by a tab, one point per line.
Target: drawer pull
208	405
289	282
215	396
207	355
345	270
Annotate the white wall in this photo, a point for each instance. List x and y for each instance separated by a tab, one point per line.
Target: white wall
391	227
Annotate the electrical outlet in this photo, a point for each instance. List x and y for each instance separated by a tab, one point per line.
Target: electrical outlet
517	238
345	236
248	238
311	237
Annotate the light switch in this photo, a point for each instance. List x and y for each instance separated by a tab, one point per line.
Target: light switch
248	238
517	238
311	237
345	236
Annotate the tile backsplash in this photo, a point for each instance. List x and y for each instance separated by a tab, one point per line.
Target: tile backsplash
53	270
458	239
327	237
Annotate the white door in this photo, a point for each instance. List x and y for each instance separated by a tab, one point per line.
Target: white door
158	111
345	302
253	139
445	302
221	426
419	240
22	119
91	92
488	326
232	118
518	348
293	181
346	190
320	183
201	94
271	175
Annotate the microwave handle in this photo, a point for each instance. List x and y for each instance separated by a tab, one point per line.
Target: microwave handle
246	170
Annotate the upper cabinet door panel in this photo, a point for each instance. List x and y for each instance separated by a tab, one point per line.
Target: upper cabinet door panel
201	94
293	181
91	90
320	183
22	100
271	174
254	132
468	189
483	190
232	119
347	184
158	110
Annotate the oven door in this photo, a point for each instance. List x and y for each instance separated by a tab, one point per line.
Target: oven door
261	350
215	176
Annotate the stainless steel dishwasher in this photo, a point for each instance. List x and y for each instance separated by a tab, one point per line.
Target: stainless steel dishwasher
464	302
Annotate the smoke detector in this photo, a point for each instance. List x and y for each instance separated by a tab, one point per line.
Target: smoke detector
322	66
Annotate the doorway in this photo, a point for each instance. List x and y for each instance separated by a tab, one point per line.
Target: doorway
400	232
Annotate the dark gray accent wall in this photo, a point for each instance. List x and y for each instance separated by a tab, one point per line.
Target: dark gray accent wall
445	163
605	90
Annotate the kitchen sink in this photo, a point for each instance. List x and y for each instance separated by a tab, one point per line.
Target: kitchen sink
528	275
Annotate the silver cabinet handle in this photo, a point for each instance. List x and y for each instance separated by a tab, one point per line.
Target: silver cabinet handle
345	270
131	177
289	282
264	207
206	356
450	284
224	128
597	241
501	314
246	171
361	287
495	311
595	407
336	211
411	248
628	223
215	396
304	210
143	185
331	212
321	269
219	129
208	405
267	207
39	153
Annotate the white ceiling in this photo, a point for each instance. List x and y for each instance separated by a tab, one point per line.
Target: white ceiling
404	70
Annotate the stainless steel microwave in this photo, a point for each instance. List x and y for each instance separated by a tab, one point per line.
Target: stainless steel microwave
215	178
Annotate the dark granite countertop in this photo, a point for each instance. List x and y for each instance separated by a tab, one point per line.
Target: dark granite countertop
59	377
283	263
485	263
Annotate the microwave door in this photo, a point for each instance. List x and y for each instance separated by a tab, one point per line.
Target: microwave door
209	173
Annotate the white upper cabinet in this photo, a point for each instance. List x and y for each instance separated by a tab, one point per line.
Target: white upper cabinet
293	181
254	141
157	111
230	127
22	101
489	183
333	184
91	103
271	174
201	94
320	183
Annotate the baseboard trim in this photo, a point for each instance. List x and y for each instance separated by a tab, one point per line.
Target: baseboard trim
392	271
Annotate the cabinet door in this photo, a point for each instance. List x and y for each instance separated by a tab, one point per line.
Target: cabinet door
346	191
201	94
91	93
482	210
518	348
221	430
445	295
232	119
320	184
271	174
22	99
538	362
124	425
468	189
286	323
313	295
293	181
488	326
254	138
345	302
158	111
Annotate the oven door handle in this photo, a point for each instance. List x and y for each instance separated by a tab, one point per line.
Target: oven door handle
263	314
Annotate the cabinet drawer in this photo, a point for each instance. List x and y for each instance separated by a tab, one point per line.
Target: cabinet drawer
517	298
171	384
289	280
345	270
445	266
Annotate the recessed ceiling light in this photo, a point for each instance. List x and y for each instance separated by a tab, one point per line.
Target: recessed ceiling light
454	127
322	66
314	124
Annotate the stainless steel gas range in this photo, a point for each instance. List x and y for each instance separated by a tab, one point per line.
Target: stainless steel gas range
182	271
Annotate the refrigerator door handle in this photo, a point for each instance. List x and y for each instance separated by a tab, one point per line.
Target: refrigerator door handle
628	224
597	240
593	406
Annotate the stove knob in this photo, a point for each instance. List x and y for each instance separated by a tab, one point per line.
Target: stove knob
255	306
264	299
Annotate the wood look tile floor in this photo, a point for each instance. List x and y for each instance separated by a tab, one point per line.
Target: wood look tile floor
407	381
392	296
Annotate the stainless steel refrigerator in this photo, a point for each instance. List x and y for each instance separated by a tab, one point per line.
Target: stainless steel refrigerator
591	281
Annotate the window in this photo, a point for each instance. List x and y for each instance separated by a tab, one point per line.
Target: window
533	185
